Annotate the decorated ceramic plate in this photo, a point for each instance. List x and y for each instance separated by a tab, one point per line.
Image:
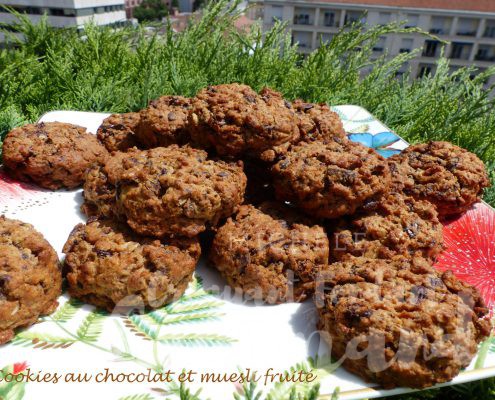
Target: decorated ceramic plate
210	343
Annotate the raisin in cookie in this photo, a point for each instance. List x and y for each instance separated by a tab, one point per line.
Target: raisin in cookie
444	174
316	122
99	187
269	253
400	322
30	277
329	179
166	190
109	266
236	121
53	155
392	225
117	132
165	122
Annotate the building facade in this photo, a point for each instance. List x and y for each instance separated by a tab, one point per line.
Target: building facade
468	26
68	13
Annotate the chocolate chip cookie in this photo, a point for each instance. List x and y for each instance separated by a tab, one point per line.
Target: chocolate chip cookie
318	122
236	121
117	132
400	322
53	155
270	253
166	190
99	187
30	277
332	178
444	174
165	122
109	266
391	225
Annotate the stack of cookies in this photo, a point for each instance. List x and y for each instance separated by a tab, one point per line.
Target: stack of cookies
296	211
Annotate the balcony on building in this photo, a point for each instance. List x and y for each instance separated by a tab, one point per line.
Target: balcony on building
406	45
467	27
384	18
489	29
460	51
412	20
274	13
304	16
425	69
440	25
432	48
485	53
330	18
302	39
354	16
324	38
380	45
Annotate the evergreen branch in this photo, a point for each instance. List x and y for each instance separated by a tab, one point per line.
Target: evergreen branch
67	310
195	339
42	341
165	319
92	326
140	327
175	308
138	397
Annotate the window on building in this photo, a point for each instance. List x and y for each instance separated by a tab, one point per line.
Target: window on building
330	18
84	12
58	12
277	13
467	27
440	25
431	47
354	16
424	69
412	20
325	38
303	39
303	16
69	12
485	53
406	45
384	18
489	29
460	51
380	45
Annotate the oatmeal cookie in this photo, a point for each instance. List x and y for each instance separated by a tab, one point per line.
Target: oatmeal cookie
165	122
236	121
53	155
109	266
30	277
167	190
318	122
99	187
442	173
117	132
329	179
391	225
269	253
400	322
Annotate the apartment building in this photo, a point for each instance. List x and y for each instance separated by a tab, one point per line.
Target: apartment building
468	26
67	13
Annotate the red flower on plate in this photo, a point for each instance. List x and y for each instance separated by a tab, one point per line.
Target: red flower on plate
470	249
19	367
